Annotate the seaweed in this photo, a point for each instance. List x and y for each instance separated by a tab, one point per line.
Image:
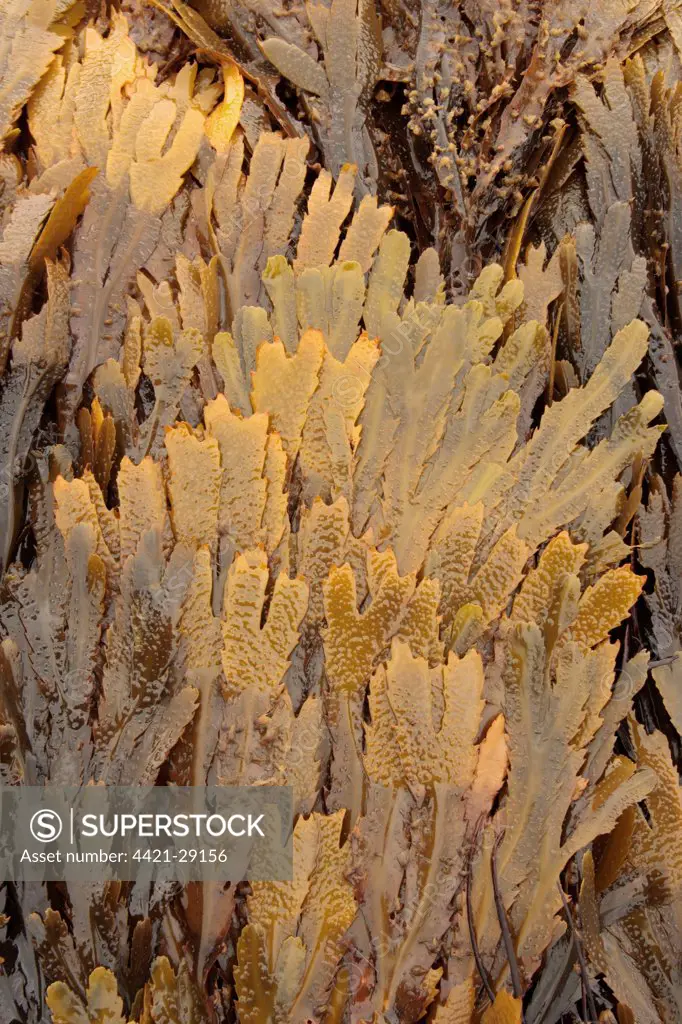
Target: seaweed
341	443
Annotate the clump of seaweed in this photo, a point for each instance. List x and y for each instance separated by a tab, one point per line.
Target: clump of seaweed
281	507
